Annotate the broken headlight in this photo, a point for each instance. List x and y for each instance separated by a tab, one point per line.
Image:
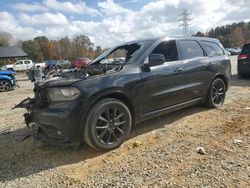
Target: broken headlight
63	94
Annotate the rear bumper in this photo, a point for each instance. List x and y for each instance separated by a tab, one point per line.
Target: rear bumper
244	70
244	67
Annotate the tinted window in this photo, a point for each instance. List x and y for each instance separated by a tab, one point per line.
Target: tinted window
190	49
246	49
212	49
168	49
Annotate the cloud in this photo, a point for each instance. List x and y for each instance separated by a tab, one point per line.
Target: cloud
77	8
117	23
46	19
10	24
28	7
110	8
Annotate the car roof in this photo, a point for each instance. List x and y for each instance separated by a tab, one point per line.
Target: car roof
172	38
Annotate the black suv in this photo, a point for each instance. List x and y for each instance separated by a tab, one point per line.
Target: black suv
244	61
151	78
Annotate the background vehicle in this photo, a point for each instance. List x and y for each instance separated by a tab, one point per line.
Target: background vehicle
52	64
234	51
7	80
154	77
79	62
21	65
244	61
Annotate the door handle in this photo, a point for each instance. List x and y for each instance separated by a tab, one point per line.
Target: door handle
178	70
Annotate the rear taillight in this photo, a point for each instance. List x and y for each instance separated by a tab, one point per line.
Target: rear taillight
242	56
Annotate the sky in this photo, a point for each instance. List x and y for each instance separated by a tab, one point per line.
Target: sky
110	22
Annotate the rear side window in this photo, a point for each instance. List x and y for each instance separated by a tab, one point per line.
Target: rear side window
168	49
190	49
212	49
246	49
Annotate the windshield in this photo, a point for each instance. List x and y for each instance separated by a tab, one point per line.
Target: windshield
123	53
246	49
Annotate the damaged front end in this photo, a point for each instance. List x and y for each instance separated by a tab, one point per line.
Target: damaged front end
55	119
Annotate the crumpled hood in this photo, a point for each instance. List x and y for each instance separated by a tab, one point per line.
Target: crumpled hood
58	82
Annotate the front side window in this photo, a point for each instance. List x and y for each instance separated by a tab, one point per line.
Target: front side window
19	63
168	49
212	49
190	49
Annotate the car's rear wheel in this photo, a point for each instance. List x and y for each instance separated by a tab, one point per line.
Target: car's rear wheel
5	85
107	125
216	94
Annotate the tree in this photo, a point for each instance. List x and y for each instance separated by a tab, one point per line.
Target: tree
47	47
233	35
33	50
81	45
5	38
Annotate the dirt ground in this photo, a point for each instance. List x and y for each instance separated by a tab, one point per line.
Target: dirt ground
165	157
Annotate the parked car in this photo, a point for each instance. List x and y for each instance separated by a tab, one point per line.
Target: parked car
233	51
244	61
21	65
158	76
78	63
52	64
7	80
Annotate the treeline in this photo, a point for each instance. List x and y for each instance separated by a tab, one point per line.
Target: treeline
234	35
41	48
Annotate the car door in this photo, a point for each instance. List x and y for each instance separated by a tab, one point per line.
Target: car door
18	66
28	64
197	69
162	84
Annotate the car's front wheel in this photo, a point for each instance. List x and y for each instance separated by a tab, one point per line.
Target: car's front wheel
107	125
216	94
5	85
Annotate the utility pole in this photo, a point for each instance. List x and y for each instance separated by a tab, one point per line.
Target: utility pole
185	19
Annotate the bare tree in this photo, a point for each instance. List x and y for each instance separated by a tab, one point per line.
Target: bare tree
5	38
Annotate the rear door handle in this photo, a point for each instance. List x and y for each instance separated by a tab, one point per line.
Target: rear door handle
178	70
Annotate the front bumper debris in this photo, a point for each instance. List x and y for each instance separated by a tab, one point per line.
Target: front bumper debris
53	124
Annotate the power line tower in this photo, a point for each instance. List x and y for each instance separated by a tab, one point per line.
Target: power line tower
185	19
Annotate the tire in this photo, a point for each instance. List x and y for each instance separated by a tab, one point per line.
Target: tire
216	94
5	85
108	124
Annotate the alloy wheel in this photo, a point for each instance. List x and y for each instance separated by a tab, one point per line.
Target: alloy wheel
218	92
110	125
4	85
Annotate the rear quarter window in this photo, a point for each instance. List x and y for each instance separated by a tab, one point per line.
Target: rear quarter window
190	49
212	49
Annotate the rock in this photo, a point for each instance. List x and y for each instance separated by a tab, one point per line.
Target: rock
236	141
247	108
201	150
136	144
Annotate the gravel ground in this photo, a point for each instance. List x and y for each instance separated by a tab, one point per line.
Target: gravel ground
161	152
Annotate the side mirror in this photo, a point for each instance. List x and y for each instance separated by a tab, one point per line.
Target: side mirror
156	59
